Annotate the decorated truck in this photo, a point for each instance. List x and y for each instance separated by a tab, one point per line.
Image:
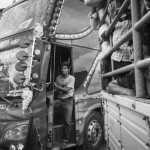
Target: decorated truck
35	37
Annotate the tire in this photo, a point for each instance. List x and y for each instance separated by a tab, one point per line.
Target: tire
93	132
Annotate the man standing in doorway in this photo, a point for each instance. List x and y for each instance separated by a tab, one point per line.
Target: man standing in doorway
64	87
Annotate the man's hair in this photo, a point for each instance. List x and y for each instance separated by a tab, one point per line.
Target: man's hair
65	63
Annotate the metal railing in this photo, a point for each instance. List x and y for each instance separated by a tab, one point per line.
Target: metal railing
137	24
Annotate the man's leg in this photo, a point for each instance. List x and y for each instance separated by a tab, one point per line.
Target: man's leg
114	88
67	105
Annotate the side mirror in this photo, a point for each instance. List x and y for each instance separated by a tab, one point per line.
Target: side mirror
22	56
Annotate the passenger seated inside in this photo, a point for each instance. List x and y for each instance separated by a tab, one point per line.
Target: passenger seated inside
64	86
125	84
123	56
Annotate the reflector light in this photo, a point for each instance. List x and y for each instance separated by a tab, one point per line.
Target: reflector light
21	66
59	3
12	147
37	52
57	9
20	146
35	75
55	16
24	42
19	78
51	29
54	22
22	55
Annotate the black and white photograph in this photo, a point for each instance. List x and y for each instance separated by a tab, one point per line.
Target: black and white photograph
74	74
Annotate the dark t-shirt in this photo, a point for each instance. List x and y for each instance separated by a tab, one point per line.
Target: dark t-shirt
127	80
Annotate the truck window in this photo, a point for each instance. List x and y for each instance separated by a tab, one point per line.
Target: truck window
77	13
83	59
95	82
58	55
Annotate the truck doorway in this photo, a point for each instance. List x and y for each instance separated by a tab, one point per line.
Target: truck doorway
58	55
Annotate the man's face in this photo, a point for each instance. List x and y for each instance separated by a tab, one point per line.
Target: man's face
64	70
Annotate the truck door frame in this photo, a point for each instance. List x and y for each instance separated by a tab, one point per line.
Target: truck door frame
54	69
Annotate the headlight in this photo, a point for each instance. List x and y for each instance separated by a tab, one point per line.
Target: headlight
12	147
17	133
20	147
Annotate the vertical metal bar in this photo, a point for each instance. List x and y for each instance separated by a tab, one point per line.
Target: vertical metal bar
111	44
137	44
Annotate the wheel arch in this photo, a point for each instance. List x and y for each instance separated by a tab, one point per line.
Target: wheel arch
93	108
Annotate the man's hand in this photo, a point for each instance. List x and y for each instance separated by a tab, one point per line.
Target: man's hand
55	84
27	96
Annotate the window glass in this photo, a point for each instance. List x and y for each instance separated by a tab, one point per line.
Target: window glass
74	17
95	84
82	59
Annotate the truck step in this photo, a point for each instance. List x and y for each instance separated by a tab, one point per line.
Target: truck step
57	131
59	147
